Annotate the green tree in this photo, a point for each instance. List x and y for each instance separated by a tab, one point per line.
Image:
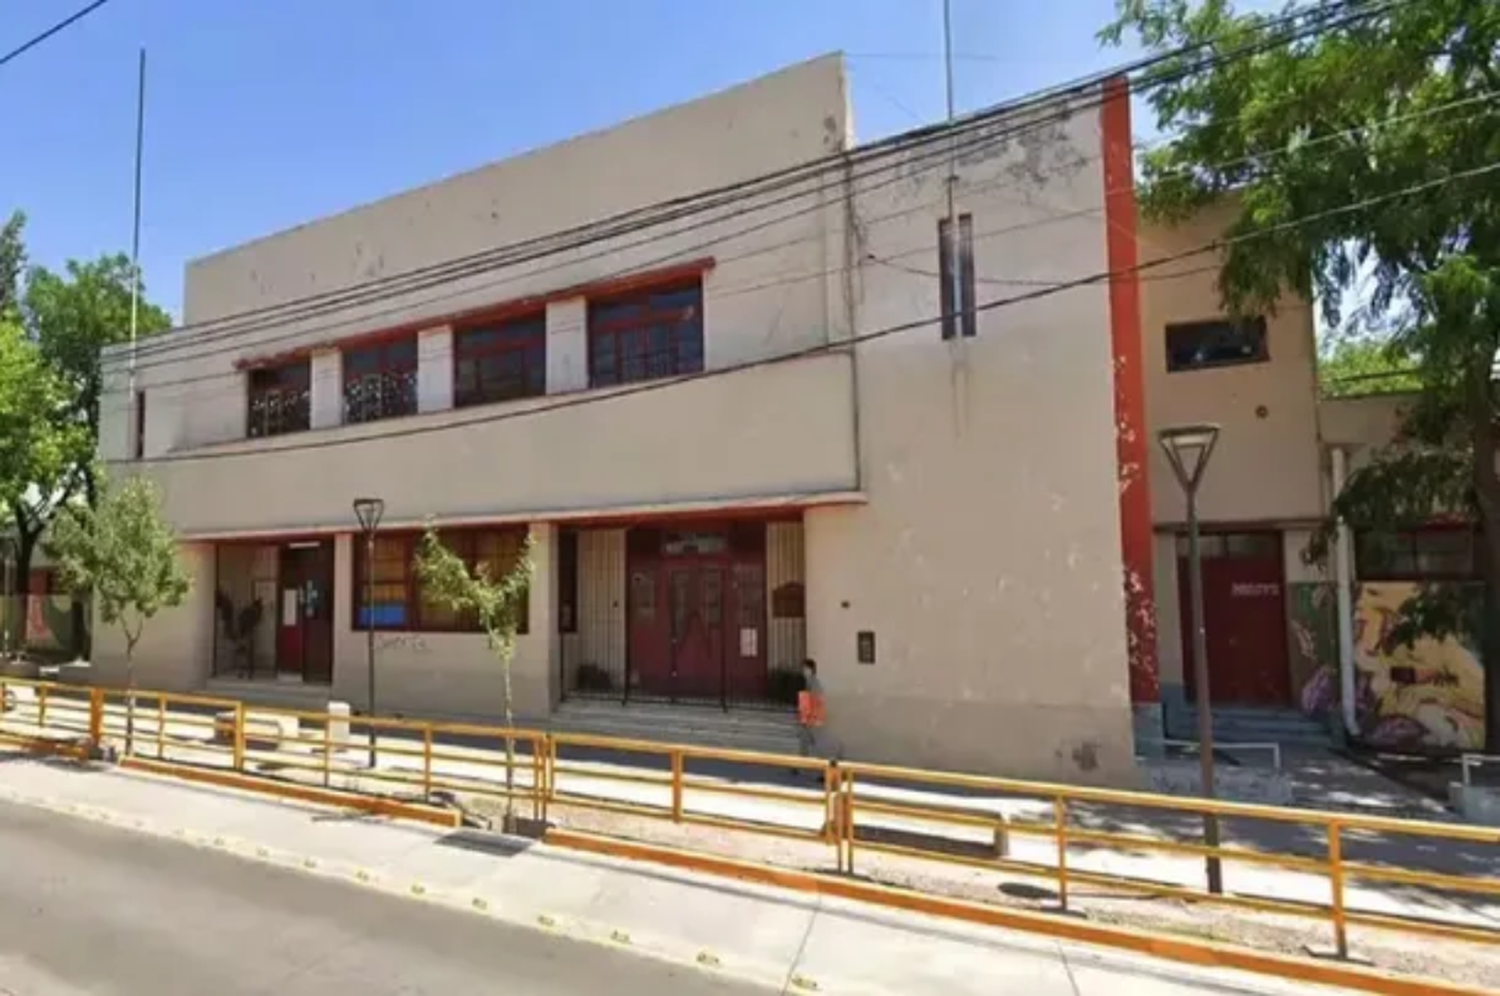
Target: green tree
1361	365
1355	151
12	261
494	596
124	554
71	317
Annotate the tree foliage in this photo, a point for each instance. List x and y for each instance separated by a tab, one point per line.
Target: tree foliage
1356	366
496	597
55	326
1345	153
124	554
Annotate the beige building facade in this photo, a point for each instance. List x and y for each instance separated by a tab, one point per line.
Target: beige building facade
734	431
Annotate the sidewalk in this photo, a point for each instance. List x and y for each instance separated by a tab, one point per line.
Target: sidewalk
604	777
785	940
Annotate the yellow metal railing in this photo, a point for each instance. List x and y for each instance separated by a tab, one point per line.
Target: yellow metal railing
850	808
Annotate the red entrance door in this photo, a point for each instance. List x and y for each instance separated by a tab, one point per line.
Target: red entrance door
697	612
1244	611
304	624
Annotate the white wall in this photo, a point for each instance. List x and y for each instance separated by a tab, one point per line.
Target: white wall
987	562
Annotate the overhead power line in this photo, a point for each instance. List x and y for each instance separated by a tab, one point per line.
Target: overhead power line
579	401
1486	100
1319	19
62	25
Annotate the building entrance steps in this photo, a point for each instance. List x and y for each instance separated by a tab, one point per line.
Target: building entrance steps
784	940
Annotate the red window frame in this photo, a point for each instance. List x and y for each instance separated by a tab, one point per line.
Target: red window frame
646	334
522	338
396	553
380	380
279	399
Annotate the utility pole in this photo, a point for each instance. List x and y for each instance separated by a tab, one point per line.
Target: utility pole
135	245
954	270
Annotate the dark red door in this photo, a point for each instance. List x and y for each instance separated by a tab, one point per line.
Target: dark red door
304	623
697	607
1245	617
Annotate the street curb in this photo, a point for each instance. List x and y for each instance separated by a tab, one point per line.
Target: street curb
711	963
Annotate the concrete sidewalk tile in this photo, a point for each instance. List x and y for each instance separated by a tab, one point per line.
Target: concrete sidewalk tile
871	952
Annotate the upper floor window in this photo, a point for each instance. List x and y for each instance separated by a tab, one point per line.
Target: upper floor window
1221	342
1434	553
280	400
956	274
500	362
645	335
380	380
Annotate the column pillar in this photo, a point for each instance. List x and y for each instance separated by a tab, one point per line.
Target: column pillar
567	346
327	401
435	369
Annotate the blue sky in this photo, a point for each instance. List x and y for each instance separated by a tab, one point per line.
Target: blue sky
266	114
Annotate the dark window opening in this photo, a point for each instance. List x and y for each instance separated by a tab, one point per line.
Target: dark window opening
400	603
567	581
139	443
280	399
1432	553
500	362
1235	546
1217	343
646	335
380	380
956	276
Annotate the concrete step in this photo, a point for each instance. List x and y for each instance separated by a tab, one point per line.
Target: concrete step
743	729
274	694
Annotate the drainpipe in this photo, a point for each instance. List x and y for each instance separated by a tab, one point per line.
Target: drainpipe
1344	578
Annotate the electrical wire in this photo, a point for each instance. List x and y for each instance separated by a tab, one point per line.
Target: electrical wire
65	23
1265	156
842	345
452	270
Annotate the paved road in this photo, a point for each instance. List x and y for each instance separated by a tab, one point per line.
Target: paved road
89	909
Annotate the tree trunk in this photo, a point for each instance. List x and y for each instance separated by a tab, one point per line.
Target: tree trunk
1487	497
27	536
507	648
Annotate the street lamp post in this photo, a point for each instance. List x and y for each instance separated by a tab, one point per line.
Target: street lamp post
1188	448
8	546
368	511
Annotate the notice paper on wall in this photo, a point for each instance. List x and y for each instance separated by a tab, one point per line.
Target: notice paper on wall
289	602
749	641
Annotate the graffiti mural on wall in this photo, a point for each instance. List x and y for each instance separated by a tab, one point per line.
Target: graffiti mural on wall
1429	696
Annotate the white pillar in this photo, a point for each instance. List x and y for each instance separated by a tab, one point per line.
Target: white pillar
327	401
567	345
1344	579
435	369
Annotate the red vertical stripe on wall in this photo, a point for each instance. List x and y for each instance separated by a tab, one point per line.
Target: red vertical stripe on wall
1132	441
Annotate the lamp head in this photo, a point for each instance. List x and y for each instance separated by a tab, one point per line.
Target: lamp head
1188	448
368	511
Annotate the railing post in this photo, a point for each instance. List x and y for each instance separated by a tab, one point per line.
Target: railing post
327	752
830	805
239	736
1336	884
161	729
427	762
41	707
1060	815
848	821
96	718
538	769
677	786
548	753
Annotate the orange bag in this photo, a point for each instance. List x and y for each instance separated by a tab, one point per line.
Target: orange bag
810	711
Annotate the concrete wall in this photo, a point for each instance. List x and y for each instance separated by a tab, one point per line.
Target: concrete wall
988	561
1266	466
175	652
449	674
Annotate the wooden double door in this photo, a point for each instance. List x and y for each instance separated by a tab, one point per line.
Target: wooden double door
696	612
